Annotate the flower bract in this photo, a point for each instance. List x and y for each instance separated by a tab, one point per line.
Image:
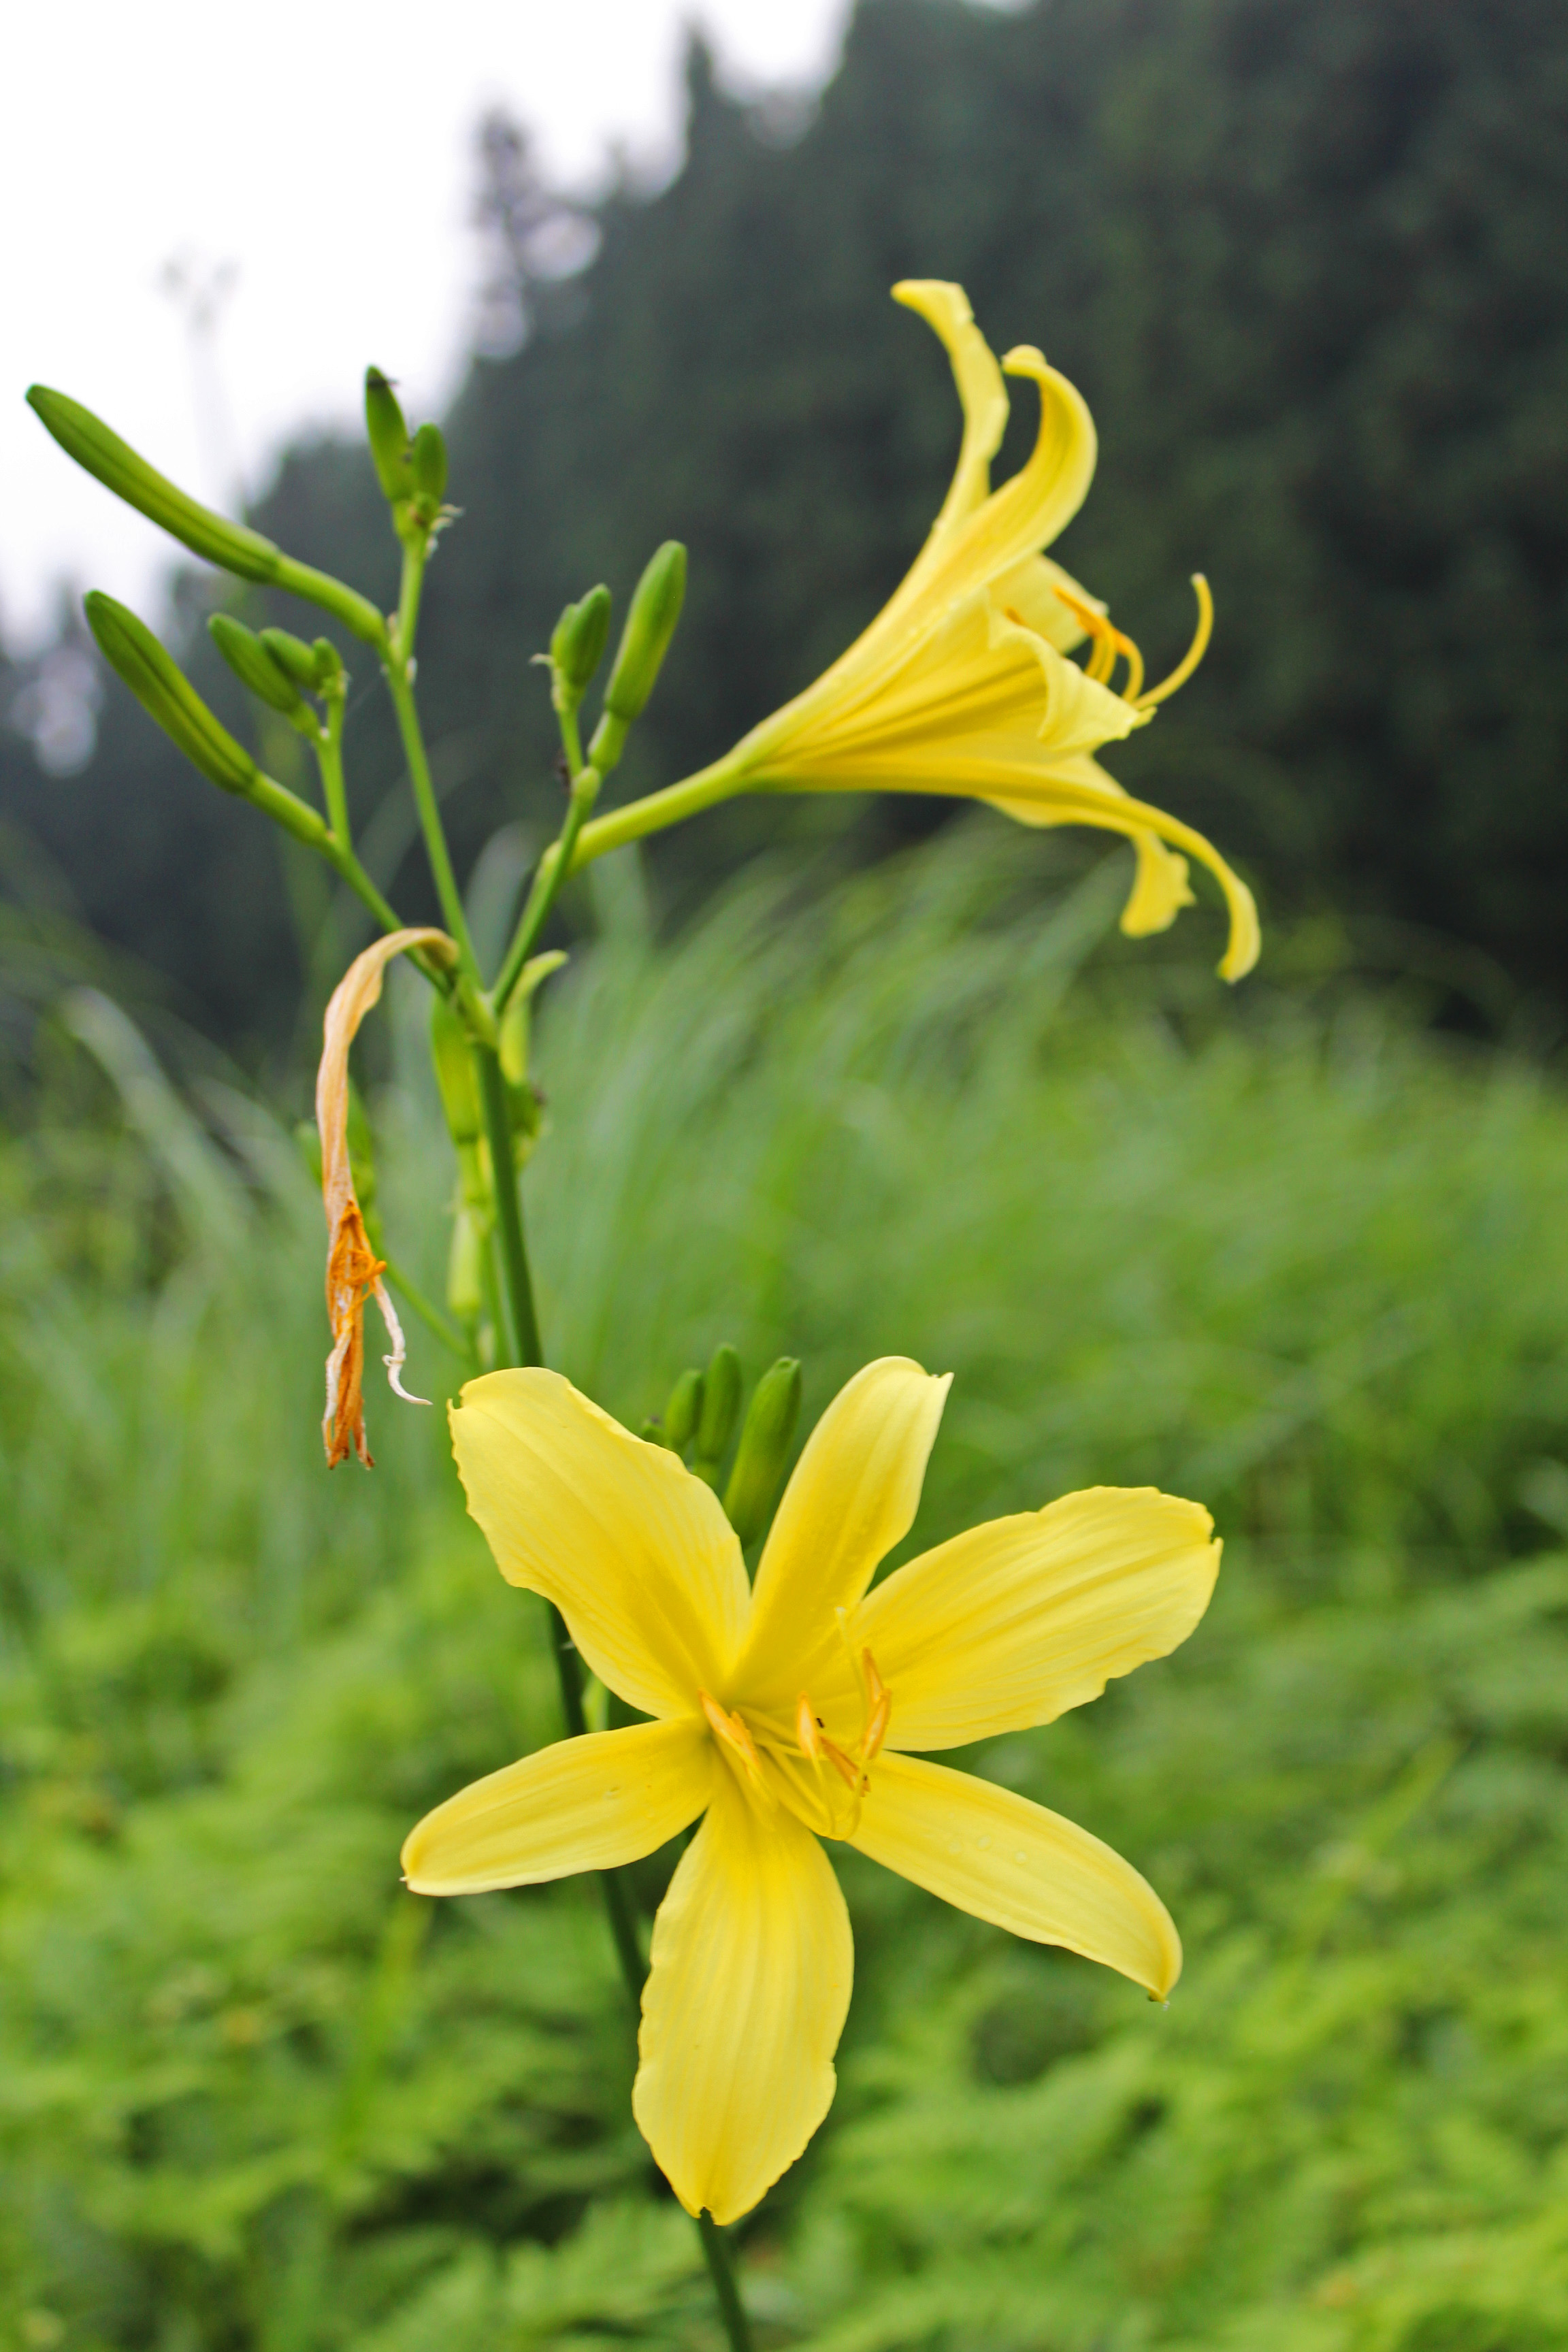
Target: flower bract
962	683
801	1710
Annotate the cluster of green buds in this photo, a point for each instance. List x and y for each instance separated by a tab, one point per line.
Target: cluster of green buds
583	632
700	1421
280	670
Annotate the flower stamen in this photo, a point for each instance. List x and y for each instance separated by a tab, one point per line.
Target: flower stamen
879	1718
734	1734
1191	658
1108	642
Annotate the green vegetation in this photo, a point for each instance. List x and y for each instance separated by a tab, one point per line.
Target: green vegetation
1281	1251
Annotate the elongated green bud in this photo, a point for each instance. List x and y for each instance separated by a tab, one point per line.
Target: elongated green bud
427	464
129	648
766	1435
387	433
578	646
454	1073
113	462
684	1410
465	1268
651	624
253	664
293	656
319	668
721	1411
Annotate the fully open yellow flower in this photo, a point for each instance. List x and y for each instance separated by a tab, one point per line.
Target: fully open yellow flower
786	1714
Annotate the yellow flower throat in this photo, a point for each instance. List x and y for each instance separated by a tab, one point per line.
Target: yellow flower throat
797	1763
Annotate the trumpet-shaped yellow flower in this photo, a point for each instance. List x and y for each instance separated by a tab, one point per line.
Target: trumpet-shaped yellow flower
788	1714
962	683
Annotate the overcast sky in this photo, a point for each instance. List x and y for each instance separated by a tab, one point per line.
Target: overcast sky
316	159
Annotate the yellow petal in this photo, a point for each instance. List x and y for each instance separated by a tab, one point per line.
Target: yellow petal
743	2007
1027	512
980	390
1017	1621
635	1552
1160	888
996	1854
854	1494
583	1804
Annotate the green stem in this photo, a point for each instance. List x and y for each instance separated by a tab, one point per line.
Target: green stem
357	612
330	759
525	1342
413	554
722	781
553	868
720	2270
430	813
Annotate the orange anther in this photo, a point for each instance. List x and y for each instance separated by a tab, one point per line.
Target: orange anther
805	1728
841	1764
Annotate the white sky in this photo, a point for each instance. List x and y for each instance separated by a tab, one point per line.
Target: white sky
325	152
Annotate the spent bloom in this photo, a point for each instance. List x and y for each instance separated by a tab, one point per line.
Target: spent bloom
962	683
354	1273
786	1713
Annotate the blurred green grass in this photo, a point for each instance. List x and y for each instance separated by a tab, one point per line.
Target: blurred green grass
1283	1251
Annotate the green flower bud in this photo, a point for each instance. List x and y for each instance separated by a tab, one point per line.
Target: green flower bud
651	624
388	435
684	1410
454	1073
253	664
466	1269
129	648
652	1433
113	462
516	1020
293	656
765	1440
721	1411
427	463
578	646
331	678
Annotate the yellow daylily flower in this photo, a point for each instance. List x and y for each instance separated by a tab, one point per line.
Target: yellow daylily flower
962	683
788	1714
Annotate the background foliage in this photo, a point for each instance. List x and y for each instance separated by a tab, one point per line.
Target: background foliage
1284	1252
1304	258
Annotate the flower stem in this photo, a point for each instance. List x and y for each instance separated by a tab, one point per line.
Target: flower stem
720	2270
552	870
525	1340
330	758
401	691
722	781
